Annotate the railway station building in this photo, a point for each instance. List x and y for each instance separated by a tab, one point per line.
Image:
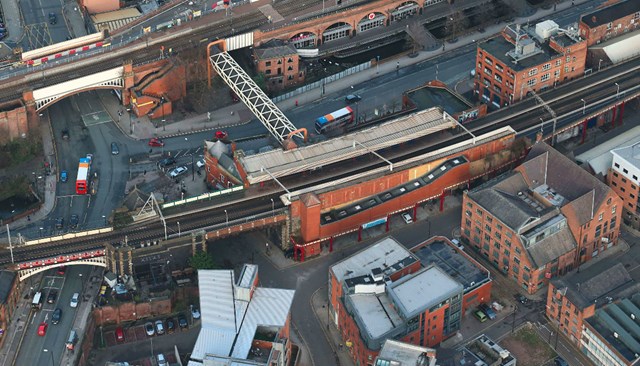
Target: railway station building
242	323
541	220
524	59
417	296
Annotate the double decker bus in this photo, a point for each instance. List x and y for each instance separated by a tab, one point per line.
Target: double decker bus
334	120
84	171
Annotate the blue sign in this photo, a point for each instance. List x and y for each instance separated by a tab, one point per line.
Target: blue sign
374	223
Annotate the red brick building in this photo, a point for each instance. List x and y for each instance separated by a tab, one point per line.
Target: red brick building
280	63
220	166
524	58
9	297
609	22
541	220
389	292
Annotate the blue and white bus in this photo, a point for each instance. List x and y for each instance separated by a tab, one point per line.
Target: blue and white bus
333	120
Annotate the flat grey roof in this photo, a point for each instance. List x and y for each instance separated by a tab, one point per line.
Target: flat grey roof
377	313
430	96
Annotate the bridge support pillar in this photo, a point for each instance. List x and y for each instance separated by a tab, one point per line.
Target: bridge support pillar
360	233
386	224
415	212
130	257
584	131
613	118
442	201
621	114
331	244
121	262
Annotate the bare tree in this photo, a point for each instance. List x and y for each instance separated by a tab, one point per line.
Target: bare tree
486	13
519	7
421	38
456	23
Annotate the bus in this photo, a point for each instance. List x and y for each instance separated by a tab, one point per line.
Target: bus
84	169
37	300
334	120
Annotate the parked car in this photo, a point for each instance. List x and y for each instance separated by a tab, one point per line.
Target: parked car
166	162
407	217
457	243
200	163
480	316
64	176
114	149
42	329
57	315
161	360
73	221
61	270
221	135
59	223
156	142
171	326
182	322
352	98
559	361
487	310
522	299
53	19
65	134
159	327
195	313
74	300
119	334
148	327
51	298
178	171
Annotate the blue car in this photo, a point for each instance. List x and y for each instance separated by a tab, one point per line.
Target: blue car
64	176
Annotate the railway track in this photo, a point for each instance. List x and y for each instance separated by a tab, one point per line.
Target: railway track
520	116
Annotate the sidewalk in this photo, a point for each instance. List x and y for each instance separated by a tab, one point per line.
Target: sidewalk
73	18
12	20
238	114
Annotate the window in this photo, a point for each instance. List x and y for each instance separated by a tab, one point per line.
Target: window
518	250
488	61
479	212
268	63
498	227
516	260
545	77
556	73
546	67
625	171
531	82
635	177
609	25
498	78
487	228
600	217
468	213
467	222
616	165
558	62
489	219
469	204
598	229
568	59
615	174
507	243
499	68
506	252
613	210
624	180
613	223
267	71
533	72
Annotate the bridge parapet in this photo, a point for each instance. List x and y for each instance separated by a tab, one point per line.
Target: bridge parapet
94	257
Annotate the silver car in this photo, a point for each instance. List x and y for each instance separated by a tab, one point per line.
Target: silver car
178	171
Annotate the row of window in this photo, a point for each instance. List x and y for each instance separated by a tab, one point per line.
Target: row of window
268	63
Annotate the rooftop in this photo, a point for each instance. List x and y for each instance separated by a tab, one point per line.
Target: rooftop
274	49
376	313
499	48
600	158
610	13
429	96
232	315
395	353
631	154
454	263
382	255
488	351
602	281
617	323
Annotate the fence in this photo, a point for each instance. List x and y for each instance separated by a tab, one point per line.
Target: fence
322	82
202	197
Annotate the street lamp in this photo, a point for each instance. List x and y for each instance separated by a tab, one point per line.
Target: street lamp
617	90
178	222
193	172
105	219
584	105
377	63
542	126
50	354
41	231
273	207
226	216
599	63
81	283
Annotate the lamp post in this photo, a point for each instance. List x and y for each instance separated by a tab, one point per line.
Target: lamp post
377	63
163	120
50	354
542	126
273	207
105	220
617	90
193	172
41	231
584	106
599	64
178	222
226	216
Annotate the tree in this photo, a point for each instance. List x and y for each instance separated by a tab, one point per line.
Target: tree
519	7
261	81
202	260
456	23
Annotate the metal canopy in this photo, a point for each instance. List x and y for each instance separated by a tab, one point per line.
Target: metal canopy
253	97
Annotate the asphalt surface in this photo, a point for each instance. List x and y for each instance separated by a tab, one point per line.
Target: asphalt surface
31	350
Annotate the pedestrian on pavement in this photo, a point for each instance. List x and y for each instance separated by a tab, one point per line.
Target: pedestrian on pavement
28	218
296	102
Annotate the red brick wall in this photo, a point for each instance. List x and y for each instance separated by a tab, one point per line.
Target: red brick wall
559	308
131	311
605	32
13	122
277	71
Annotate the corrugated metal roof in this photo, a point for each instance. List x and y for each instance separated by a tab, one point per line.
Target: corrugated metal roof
113	20
282	163
216	299
214	341
386	252
268	307
248	274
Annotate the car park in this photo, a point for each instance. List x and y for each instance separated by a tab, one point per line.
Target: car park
42	329
64	176
159	327
182	322
74	300
56	316
480	316
407	217
488	311
178	171
73	221
156	142
114	149
195	313
171	326
352	98
119	334
51	298
148	327
59	223
167	161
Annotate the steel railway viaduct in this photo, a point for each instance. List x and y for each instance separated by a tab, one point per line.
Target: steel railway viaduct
308	213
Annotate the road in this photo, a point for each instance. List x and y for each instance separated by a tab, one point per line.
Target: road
31	350
39	30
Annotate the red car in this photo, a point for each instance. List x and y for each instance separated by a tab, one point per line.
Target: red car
119	334
62	270
156	142
42	329
221	135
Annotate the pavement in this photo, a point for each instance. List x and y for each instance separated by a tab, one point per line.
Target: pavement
12	20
